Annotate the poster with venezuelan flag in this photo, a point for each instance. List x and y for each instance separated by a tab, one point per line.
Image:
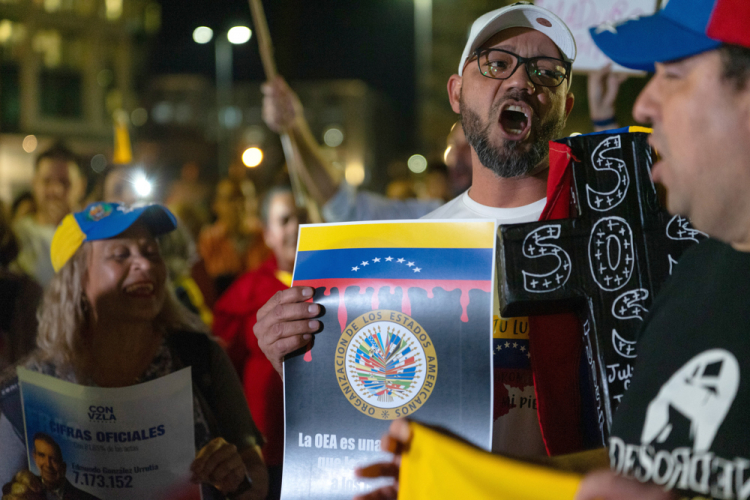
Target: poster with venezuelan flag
407	332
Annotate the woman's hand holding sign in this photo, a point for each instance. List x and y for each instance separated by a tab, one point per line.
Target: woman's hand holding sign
220	464
25	486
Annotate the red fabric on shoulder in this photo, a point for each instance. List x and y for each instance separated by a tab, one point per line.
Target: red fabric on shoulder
556	340
558	183
234	318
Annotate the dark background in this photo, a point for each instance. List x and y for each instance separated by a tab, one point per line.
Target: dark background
313	40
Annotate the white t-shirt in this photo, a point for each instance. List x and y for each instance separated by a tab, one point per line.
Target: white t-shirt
516	428
350	204
463	207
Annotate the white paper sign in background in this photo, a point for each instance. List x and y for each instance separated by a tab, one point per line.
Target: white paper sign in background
580	15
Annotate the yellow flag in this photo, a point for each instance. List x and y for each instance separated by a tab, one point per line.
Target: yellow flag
123	154
437	466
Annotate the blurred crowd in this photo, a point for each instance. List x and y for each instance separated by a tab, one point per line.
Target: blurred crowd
100	286
234	243
223	231
233	246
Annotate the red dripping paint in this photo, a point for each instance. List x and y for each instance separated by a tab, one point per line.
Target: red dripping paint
376	284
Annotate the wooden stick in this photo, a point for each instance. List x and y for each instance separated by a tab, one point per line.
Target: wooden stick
289	146
264	38
288	142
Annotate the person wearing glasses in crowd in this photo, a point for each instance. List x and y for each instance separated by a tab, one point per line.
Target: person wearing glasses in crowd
512	91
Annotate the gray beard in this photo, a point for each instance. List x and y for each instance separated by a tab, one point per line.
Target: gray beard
509	160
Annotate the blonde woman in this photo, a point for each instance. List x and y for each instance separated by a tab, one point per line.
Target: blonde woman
109	319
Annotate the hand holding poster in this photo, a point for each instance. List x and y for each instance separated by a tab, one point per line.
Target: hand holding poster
407	331
91	442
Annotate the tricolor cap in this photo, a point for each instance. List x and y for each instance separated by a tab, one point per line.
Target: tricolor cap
519	15
682	29
100	221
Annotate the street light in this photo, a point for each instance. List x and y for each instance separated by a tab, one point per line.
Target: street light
202	34
252	157
223	49
417	163
239	35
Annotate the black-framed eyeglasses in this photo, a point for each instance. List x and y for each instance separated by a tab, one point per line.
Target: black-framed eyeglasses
501	64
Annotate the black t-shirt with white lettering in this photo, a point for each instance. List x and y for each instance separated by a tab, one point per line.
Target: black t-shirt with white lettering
685	421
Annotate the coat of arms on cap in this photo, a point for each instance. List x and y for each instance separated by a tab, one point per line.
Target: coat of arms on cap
99	211
544	22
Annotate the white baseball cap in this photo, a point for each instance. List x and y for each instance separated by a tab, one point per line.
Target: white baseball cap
520	15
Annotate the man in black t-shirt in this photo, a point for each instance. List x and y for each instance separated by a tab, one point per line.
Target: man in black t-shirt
683	422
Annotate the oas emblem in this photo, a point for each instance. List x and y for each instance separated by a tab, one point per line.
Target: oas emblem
386	364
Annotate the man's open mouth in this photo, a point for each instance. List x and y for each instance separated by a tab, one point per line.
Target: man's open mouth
515	120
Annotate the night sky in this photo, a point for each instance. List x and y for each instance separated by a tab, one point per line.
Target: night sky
370	40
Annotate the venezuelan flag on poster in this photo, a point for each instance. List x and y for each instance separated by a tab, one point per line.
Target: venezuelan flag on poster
406	322
425	254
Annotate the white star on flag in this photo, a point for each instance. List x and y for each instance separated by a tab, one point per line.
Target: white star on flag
610	26
376	260
507	344
515	344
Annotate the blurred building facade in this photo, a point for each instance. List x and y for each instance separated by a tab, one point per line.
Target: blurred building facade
352	122
65	67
